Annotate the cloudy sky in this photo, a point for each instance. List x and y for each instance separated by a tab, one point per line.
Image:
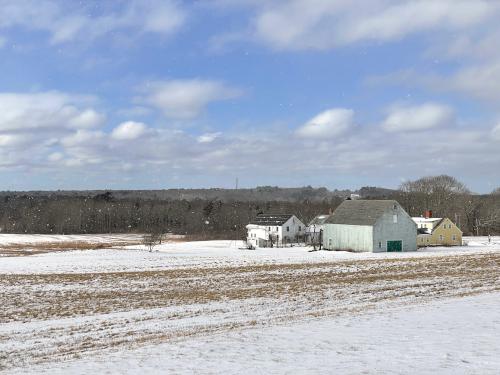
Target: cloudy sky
165	93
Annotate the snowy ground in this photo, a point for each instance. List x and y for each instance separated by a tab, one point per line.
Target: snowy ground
172	255
90	308
427	339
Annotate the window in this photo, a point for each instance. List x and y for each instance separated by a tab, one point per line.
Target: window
380	245
440	237
395	218
454	237
277	228
288	229
395	206
300	228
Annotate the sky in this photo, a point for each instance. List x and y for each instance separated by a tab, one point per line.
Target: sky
153	94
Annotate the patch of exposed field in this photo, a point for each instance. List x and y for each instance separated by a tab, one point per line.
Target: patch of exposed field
48	317
12	245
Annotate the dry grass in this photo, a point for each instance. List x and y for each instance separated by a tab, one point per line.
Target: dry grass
47	247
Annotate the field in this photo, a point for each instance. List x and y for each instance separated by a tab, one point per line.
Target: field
85	310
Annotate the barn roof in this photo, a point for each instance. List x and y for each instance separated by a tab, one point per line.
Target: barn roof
318	220
360	212
271	219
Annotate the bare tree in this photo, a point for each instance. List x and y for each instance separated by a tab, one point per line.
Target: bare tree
150	240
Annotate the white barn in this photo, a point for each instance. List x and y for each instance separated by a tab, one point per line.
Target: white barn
268	230
370	225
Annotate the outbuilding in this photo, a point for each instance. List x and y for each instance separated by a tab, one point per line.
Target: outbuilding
370	225
314	230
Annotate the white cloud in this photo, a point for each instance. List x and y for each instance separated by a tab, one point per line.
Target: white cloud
45	110
495	132
208	137
66	23
186	99
416	118
330	123
322	24
82	138
13	140
129	130
89	118
55	157
480	81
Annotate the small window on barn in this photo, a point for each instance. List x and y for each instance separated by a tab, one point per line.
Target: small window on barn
380	245
395	218
300	228
288	229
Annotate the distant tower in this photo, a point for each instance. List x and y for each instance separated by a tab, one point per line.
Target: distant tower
236	183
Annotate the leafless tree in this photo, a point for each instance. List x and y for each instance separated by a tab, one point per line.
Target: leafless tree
150	240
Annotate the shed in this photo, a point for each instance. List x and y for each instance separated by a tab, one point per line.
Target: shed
370	225
314	229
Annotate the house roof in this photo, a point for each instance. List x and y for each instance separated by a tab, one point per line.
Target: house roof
423	231
422	219
360	212
271	219
318	220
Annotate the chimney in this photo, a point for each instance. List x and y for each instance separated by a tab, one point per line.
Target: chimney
428	214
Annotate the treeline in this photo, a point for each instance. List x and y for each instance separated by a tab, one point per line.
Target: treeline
447	197
258	194
103	213
222	217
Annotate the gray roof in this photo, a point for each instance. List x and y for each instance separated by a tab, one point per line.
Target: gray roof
271	219
318	220
360	212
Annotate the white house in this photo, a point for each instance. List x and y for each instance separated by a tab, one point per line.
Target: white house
268	230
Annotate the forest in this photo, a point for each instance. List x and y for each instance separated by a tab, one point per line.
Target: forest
223	213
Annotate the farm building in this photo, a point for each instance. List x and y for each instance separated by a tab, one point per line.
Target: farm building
268	230
370	225
435	231
314	229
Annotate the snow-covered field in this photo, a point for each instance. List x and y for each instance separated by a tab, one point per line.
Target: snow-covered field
455	336
203	254
188	306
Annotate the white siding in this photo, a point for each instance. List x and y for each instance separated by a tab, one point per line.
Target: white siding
262	232
348	237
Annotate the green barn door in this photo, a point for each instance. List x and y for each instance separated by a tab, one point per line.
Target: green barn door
394	246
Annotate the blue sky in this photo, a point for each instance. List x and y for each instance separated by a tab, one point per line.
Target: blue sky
161	94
